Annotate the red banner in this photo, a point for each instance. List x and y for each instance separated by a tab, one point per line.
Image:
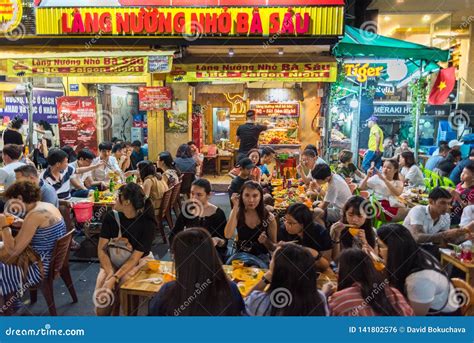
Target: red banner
77	120
205	3
155	98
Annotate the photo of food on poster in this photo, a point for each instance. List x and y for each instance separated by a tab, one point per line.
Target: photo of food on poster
176	119
77	122
155	98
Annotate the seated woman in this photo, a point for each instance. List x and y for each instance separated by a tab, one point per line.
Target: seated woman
153	185
354	216
41	227
301	229
410	172
387	188
292	292
415	273
362	291
166	164
184	161
253	222
199	276
256	173
199	212
133	223
464	193
346	168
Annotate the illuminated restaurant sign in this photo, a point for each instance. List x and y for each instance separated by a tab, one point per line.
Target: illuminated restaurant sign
298	72
323	18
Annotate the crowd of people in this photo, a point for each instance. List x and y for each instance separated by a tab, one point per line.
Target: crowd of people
391	271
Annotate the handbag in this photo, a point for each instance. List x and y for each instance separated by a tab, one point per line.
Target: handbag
118	248
24	260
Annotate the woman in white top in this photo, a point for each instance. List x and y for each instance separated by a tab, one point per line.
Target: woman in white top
387	187
416	273
410	172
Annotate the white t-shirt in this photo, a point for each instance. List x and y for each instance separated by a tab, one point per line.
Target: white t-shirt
81	177
338	192
467	215
431	287
413	175
102	174
382	192
420	215
319	160
7	173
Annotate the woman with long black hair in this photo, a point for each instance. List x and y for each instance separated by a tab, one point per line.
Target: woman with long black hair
133	223
255	225
355	227
292	278
415	272
201	287
153	184
362	290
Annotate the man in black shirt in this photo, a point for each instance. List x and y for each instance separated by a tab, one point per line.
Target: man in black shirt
248	134
246	167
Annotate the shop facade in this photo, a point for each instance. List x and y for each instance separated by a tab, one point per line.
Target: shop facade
115	52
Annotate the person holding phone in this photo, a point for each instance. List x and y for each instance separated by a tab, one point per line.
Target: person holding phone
387	187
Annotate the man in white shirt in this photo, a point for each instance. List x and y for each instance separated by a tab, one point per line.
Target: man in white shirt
82	180
431	224
11	156
309	160
110	165
337	193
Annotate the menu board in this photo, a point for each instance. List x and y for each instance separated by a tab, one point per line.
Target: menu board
77	119
155	98
276	109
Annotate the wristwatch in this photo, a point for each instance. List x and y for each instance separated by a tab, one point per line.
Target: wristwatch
117	279
265	280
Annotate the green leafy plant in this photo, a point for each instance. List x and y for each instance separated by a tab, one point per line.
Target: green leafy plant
419	94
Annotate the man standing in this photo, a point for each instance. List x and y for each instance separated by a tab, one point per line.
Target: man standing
375	149
248	134
11	156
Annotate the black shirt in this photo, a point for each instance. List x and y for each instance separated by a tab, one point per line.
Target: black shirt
214	224
140	231
12	137
248	239
249	134
446	165
315	237
236	185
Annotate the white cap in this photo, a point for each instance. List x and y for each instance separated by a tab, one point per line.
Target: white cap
454	143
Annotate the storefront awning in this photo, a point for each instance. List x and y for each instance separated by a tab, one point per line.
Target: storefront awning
24	54
360	43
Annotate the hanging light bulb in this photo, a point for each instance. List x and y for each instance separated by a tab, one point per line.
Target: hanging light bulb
231	52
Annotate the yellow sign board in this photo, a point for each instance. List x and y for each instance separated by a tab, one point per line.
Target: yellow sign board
10	15
296	72
85	66
192	23
362	71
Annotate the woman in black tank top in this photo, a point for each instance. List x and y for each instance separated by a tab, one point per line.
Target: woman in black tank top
255	225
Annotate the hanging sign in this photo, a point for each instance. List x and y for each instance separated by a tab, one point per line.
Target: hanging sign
276	109
155	98
81	66
78	122
11	12
297	72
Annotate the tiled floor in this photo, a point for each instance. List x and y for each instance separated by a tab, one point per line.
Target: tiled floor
84	275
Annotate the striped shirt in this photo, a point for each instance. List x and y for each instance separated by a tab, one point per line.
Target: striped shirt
63	185
349	302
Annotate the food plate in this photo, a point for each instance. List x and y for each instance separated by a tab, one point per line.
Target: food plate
247	274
